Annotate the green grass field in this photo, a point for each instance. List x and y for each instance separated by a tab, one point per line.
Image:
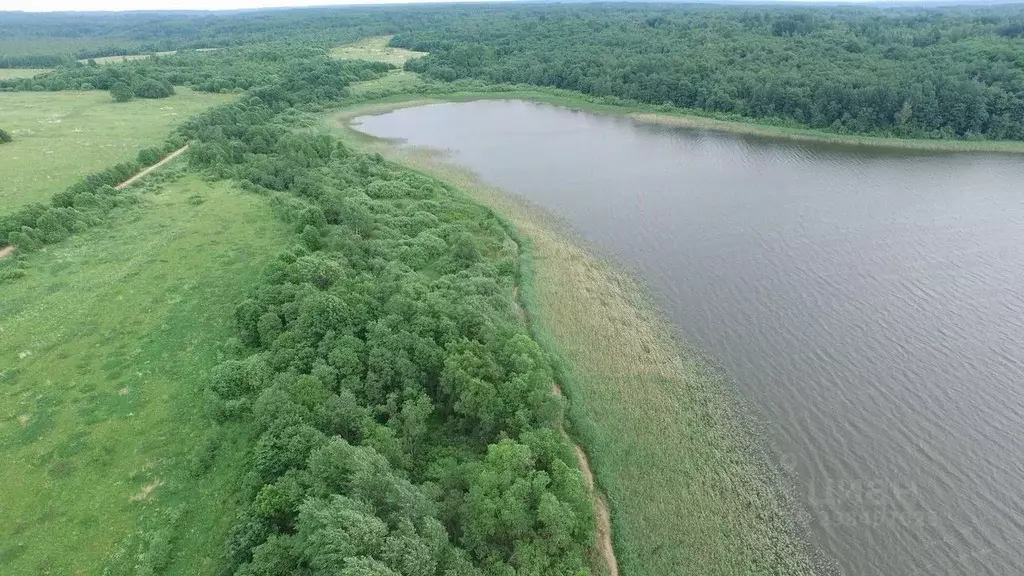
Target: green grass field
8	73
62	136
103	350
374	48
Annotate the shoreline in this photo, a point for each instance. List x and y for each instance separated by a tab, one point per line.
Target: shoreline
639	400
679	118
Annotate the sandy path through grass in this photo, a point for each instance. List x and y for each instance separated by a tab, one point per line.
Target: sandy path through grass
8	250
152	168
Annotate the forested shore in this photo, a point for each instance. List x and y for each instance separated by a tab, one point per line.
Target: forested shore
902	72
395	413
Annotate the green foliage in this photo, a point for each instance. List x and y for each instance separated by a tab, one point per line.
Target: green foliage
288	75
912	72
896	71
81	205
4	136
149	156
121	92
380	354
93	133
152	88
142	294
384	375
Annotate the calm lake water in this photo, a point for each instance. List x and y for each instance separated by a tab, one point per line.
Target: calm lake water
869	305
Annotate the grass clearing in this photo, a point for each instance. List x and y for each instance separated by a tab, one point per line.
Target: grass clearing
8	73
103	350
61	136
395	82
375	48
665	445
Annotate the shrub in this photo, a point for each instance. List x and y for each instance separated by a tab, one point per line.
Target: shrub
153	89
4	136
150	156
121	92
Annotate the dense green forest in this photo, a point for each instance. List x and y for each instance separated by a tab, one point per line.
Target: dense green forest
909	72
292	68
933	73
48	40
404	420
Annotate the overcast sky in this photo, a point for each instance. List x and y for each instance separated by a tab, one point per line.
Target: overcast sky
58	5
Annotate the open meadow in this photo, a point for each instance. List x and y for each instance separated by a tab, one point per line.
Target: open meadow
105	344
61	136
375	48
8	73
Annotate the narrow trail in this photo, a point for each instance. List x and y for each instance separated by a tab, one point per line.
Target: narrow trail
8	250
602	515
152	168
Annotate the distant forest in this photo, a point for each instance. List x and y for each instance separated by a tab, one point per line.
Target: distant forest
955	72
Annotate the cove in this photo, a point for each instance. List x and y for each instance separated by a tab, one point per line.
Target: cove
867	303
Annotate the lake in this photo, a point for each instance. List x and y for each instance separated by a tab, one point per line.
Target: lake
868	304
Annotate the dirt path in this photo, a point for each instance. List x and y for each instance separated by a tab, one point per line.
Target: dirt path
152	168
602	516
8	250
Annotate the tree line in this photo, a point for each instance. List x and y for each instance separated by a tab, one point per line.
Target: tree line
913	72
399	418
403	419
896	71
306	72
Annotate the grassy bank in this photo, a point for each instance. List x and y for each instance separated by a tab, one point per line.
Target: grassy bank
106	343
685	495
408	89
73	134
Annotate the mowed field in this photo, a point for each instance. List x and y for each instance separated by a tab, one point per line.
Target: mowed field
374	48
104	348
61	136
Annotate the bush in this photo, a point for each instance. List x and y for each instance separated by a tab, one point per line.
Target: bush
4	136
121	92
153	89
150	156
